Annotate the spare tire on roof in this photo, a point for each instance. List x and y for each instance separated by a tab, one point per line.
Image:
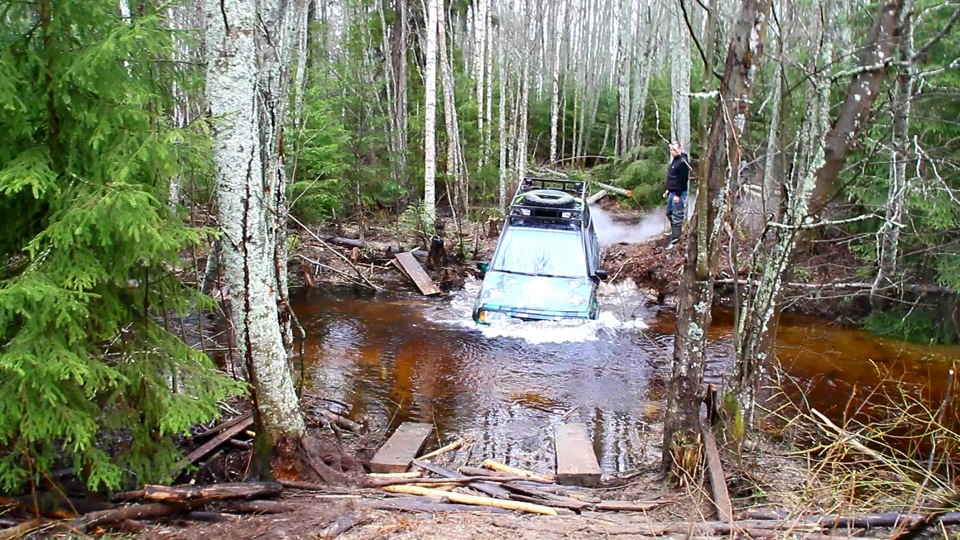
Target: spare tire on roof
549	198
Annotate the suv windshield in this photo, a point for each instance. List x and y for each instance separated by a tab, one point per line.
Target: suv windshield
541	252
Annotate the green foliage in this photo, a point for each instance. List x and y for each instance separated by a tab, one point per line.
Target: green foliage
416	223
88	378
318	186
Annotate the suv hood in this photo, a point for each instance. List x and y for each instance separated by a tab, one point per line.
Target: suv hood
570	297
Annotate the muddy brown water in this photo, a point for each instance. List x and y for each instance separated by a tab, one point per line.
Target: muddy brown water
398	357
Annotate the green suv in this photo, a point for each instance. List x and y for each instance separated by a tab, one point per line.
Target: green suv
546	264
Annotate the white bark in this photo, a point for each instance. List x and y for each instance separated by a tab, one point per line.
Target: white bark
561	21
488	100
502	118
455	163
755	327
430	113
888	237
480	57
623	76
680	79
244	207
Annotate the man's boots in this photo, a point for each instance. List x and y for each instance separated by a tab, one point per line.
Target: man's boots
676	226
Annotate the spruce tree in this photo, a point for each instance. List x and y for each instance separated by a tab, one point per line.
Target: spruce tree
88	376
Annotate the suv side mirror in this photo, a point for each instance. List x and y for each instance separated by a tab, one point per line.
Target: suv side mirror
601	274
483	266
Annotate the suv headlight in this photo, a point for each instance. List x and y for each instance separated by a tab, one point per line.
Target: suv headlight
486	316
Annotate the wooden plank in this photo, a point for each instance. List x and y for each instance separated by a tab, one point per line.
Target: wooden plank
718	482
402	447
576	462
213	444
413	269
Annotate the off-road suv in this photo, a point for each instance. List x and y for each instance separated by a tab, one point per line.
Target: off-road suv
547	261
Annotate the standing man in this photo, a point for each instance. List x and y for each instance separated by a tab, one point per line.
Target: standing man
678	174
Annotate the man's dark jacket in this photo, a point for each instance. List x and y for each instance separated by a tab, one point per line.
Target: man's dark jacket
678	174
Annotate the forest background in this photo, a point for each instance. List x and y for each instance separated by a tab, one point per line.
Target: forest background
133	130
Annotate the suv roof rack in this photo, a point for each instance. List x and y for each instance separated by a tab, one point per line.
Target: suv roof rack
571	217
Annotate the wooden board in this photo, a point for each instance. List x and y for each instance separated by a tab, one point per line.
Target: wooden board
401	448
416	273
718	481
576	462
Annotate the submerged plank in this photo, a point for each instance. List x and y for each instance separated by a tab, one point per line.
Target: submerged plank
402	447
416	273
576	461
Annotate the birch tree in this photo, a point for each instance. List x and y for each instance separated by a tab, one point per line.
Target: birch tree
723	153
888	237
560	24
818	159
430	113
679	79
244	197
456	167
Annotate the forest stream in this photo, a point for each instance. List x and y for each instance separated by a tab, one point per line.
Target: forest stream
399	356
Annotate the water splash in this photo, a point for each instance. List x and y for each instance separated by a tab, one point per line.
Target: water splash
614	316
610	232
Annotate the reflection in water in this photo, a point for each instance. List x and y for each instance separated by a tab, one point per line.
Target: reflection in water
401	357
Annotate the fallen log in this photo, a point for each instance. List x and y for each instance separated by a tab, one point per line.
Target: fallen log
442	450
483	487
21	530
615	189
627	506
472	499
345	423
213	444
408	474
222	426
256	507
211	517
497	466
384	482
549	499
322	488
136	512
205	494
862	521
428	504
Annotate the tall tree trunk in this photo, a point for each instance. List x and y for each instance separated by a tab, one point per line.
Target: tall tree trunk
555	78
680	440
502	121
679	79
815	167
456	170
430	113
889	234
480	57
755	330
246	221
488	81
624	64
873	60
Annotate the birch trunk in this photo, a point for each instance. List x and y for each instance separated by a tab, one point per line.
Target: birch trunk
756	328
816	165
889	235
245	218
455	165
480	57
430	114
523	107
555	79
502	123
624	65
680	79
681	440
488	101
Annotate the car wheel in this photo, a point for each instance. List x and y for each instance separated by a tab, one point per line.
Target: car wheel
549	198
